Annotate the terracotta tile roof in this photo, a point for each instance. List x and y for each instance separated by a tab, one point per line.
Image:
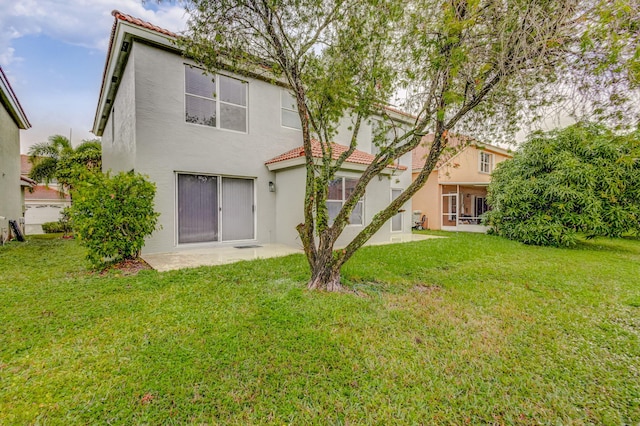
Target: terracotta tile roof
42	192
139	22
398	111
25	165
356	157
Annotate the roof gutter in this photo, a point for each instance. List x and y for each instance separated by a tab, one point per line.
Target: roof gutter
10	100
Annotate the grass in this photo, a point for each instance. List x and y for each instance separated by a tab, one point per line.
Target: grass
468	329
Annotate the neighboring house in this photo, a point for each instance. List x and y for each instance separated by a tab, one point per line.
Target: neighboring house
229	168
455	195
12	186
43	203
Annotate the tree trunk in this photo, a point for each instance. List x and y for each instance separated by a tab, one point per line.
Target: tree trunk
325	277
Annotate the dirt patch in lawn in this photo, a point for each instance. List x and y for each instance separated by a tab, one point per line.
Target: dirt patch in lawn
127	267
425	288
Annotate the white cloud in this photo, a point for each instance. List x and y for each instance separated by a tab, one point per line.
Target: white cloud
6	55
85	23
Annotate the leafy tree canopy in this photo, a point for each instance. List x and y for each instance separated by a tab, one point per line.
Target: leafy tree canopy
582	179
468	66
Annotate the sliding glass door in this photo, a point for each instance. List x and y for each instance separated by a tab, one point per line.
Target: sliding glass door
237	209
197	208
215	208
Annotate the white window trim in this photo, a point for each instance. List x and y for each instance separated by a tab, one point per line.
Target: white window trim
343	200
489	163
217	101
399	213
451	205
282	107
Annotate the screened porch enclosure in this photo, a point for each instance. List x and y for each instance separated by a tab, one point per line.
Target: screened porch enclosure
463	207
215	208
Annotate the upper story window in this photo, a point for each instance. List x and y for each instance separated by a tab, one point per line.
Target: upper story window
486	162
216	101
339	190
289	110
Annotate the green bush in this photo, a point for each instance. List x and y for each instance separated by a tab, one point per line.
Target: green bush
52	227
65	220
112	216
584	179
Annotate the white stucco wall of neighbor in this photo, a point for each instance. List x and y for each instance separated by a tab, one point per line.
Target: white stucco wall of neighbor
10	199
147	131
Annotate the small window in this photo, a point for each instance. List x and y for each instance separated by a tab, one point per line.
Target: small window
486	162
289	111
216	101
339	190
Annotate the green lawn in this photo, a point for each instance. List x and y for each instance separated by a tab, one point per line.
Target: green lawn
468	329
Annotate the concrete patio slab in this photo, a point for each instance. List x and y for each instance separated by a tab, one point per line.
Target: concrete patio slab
229	254
215	256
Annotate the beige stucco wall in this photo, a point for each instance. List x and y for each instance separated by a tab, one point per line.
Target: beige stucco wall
426	200
10	193
465	166
462	168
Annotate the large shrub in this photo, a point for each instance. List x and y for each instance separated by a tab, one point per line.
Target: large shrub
583	179
112	216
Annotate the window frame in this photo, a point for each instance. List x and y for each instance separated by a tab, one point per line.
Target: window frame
488	162
343	200
284	92
399	214
217	100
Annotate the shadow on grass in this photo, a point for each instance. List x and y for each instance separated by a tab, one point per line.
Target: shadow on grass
608	245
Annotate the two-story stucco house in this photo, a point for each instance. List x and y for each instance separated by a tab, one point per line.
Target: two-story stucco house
12	119
224	150
454	196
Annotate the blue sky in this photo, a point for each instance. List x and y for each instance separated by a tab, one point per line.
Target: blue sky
53	52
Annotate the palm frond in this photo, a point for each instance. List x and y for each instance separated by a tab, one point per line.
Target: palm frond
44	170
